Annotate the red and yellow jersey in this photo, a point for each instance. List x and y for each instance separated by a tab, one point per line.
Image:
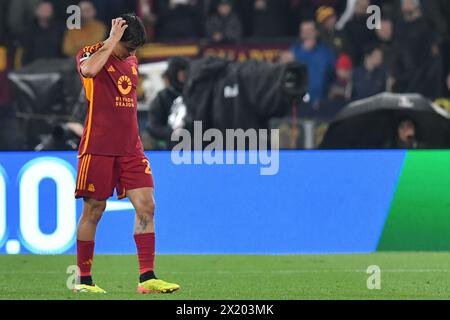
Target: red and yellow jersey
111	126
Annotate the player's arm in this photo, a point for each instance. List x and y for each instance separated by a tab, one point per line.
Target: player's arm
90	67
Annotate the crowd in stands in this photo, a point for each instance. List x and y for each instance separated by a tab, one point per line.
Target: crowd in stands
412	32
407	52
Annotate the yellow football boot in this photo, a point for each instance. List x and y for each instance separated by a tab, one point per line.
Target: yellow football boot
84	288
157	286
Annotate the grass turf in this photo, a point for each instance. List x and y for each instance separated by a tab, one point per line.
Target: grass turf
222	277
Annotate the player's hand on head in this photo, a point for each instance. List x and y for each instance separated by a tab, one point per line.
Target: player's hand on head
118	27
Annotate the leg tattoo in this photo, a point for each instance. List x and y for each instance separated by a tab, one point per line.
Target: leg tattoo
143	223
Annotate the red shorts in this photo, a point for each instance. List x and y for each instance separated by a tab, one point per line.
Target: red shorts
98	176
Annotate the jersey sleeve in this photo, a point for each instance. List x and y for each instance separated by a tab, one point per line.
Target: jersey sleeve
85	53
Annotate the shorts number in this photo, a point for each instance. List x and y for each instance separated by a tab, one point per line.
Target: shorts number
148	170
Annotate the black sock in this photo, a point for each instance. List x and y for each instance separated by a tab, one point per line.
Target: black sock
87	280
147	276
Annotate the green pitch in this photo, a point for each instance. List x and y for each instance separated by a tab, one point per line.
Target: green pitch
403	276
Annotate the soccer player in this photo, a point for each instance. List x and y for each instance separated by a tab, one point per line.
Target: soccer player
111	155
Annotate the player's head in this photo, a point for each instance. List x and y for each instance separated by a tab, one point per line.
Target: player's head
135	35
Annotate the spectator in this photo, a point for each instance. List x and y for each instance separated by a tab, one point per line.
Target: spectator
417	63
60	9
326	18
269	18
44	36
110	9
167	101
406	136
66	135
341	90
224	26
357	32
385	37
146	11
435	12
20	16
370	78
179	20
386	7
91	32
309	7
319	59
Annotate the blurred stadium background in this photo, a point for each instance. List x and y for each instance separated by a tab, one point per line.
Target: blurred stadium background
387	88
40	90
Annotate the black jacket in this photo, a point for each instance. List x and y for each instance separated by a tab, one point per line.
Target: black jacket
159	112
40	43
415	67
231	95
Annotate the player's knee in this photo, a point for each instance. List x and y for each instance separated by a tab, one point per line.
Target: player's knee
146	208
94	215
94	211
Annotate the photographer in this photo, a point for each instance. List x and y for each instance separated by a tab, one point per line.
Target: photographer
167	102
406	136
66	135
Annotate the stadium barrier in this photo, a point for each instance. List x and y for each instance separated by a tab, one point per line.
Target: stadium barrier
319	202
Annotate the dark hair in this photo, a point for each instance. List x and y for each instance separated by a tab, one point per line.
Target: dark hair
135	33
176	64
403	119
371	48
309	20
229	2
